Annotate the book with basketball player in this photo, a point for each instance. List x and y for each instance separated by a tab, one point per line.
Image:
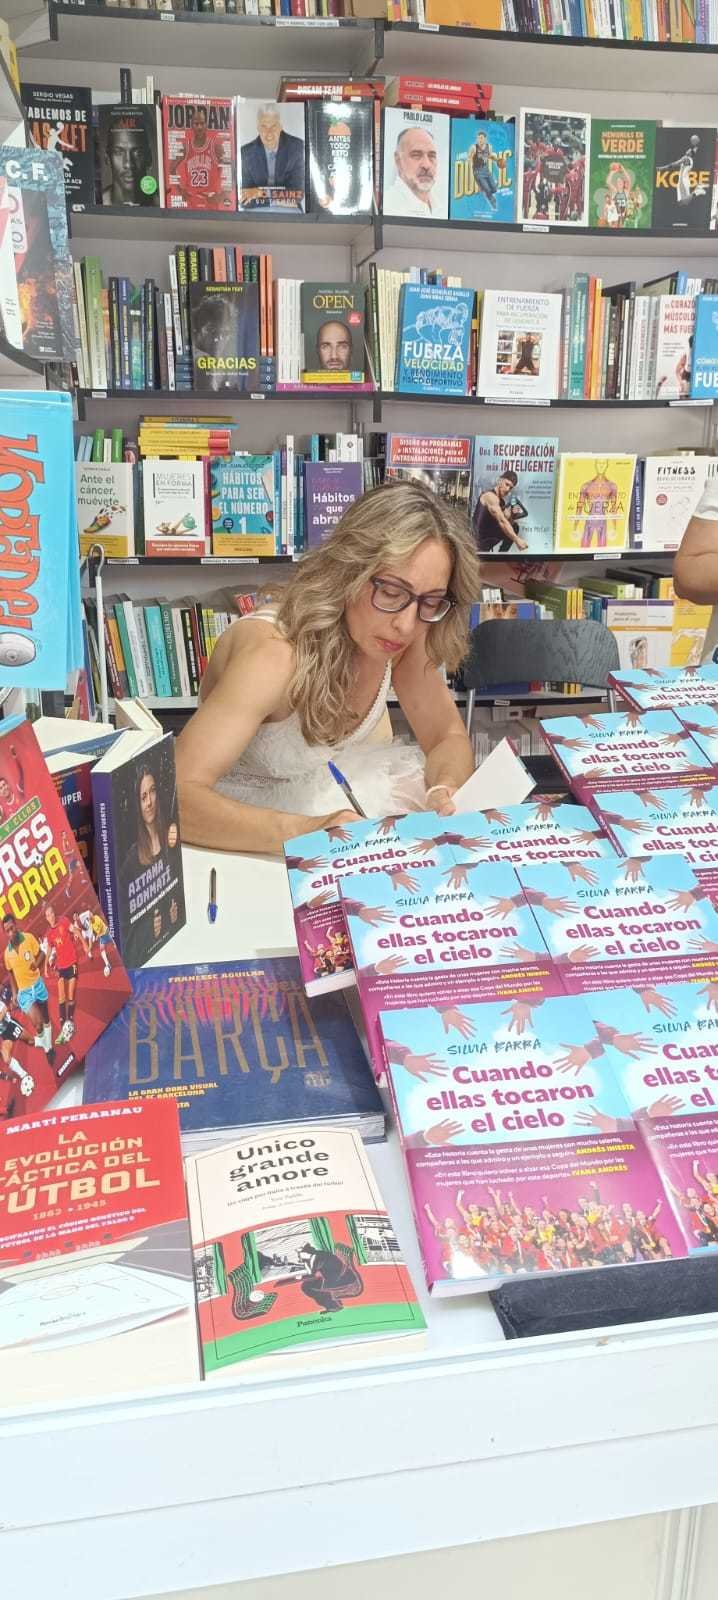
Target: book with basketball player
669	1083
237	1044
96	1281
644	751
553	150
514	479
620	186
483	171
62	978
441	937
650	689
683	177
60	118
295	1256
137	844
520	345
593	501
545	828
315	862
199	153
636	922
520	1151
661	821
127	154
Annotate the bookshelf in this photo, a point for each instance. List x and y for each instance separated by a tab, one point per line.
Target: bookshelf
245	55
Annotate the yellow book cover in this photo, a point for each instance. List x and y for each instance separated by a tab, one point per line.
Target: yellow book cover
593	499
635	20
689	632
465	13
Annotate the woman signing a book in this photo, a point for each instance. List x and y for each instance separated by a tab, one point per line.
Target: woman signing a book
382	604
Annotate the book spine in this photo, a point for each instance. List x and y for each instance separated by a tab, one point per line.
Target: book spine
149	333
105	860
140	653
112	668
116	373
156	642
180	651
170	650
124	632
118	654
190	651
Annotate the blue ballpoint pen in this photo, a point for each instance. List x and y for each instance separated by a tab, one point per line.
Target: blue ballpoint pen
212	903
349	792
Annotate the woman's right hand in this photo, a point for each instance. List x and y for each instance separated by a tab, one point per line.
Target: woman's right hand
334	823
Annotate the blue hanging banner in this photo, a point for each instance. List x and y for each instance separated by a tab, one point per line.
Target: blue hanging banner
40	611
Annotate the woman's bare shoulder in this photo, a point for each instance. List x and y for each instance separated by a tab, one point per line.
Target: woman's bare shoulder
248	649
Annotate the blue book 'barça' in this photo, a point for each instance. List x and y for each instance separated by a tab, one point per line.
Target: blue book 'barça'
238	1045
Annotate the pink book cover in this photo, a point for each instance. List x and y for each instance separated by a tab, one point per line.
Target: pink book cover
520	1151
624	922
624	748
315	863
652	823
456	934
661	689
670	1083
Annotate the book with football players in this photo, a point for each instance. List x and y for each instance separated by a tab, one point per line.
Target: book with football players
332	322
128	156
62	977
483	171
199	153
593	501
295	1254
553	155
416	163
683	177
61	119
237	1044
620	186
96	1281
138	846
513	493
442	465
668	1082
224	325
270	155
36	277
520	1151
340	159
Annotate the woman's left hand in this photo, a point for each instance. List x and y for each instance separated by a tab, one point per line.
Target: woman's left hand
440	798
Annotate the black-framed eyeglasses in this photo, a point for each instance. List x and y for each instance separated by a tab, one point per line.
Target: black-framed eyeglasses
389	594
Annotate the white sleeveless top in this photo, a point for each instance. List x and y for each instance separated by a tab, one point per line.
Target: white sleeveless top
279	769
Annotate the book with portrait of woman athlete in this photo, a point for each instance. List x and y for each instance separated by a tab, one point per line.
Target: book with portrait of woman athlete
138	851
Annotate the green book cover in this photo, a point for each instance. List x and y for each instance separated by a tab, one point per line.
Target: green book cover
119	615
170	647
620	190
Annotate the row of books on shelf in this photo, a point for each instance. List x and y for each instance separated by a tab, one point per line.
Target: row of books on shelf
646	21
191	493
161	648
185	489
225	324
402	150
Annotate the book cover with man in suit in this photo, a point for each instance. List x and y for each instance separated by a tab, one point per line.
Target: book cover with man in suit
270	140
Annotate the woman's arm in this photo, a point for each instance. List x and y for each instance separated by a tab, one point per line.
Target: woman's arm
695	567
432	715
251	687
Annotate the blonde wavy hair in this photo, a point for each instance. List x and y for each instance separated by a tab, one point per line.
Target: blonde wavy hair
387	525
